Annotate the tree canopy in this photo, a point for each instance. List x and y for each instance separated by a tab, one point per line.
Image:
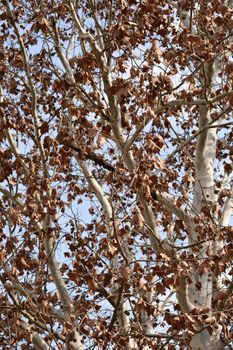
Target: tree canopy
116	193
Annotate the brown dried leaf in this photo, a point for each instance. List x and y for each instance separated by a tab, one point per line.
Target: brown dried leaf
92	285
138	219
210	320
111	248
124	271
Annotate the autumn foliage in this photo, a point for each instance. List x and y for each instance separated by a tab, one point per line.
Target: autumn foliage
116	174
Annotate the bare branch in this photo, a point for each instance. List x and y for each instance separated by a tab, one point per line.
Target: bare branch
172	104
199	132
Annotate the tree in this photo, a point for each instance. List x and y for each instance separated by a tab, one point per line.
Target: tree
116	174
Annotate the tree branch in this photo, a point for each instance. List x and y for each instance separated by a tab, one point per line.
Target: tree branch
199	132
98	160
172	104
169	202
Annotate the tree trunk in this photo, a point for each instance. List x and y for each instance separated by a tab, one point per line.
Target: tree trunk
207	341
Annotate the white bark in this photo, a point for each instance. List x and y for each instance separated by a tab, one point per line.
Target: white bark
207	341
228	210
39	343
204	195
